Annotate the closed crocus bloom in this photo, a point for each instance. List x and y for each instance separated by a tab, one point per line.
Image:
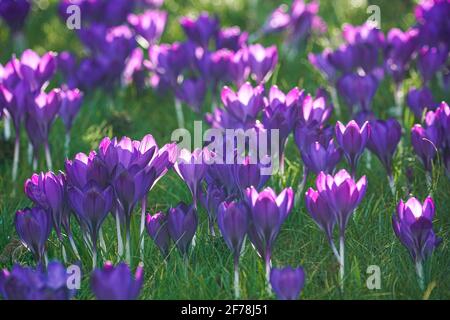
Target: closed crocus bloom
211	199
182	223
201	30
358	90
92	205
342	193
231	38
431	60
443	118
287	283
383	141
219	65
278	20
245	104
320	212
413	225
425	141
267	213
149	25
314	112
192	167
262	61
419	100
159	232
319	157
238	69
192	92
48	191
24	283
15	12
117	282
33	227
353	139
232	218
248	174
322	63
71	101
345	58
400	47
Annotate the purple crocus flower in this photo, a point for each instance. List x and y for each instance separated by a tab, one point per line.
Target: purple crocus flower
35	70
192	92
287	283
443	118
262	61
425	141
431	60
399	49
345	58
314	112
321	213
277	21
24	283
319	157
413	225
192	167
358	90
239	70
245	104
353	139
71	101
158	230
182	223
117	283
33	227
419	100
48	191
383	141
135	71
232	218
248	174
92	205
201	30
342	194
267	213
15	12
149	25
211	199
322	63
231	38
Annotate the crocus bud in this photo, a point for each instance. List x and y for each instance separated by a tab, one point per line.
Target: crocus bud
15	12
352	139
202	30
192	92
33	227
314	112
117	283
322	63
182	223
287	283
320	212
342	194
425	141
158	231
419	100
71	101
231	38
317	157
192	167
431	60
232	218
413	225
358	90
383	141
23	283
262	61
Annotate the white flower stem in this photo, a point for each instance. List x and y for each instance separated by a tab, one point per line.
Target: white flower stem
7	125
128	247
67	144
16	157
342	261
399	97
48	156
267	265
392	184
119	236
179	112
335	100
420	276
30	153
102	240
237	291
141	235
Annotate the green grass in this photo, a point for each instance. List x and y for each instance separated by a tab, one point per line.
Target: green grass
370	239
